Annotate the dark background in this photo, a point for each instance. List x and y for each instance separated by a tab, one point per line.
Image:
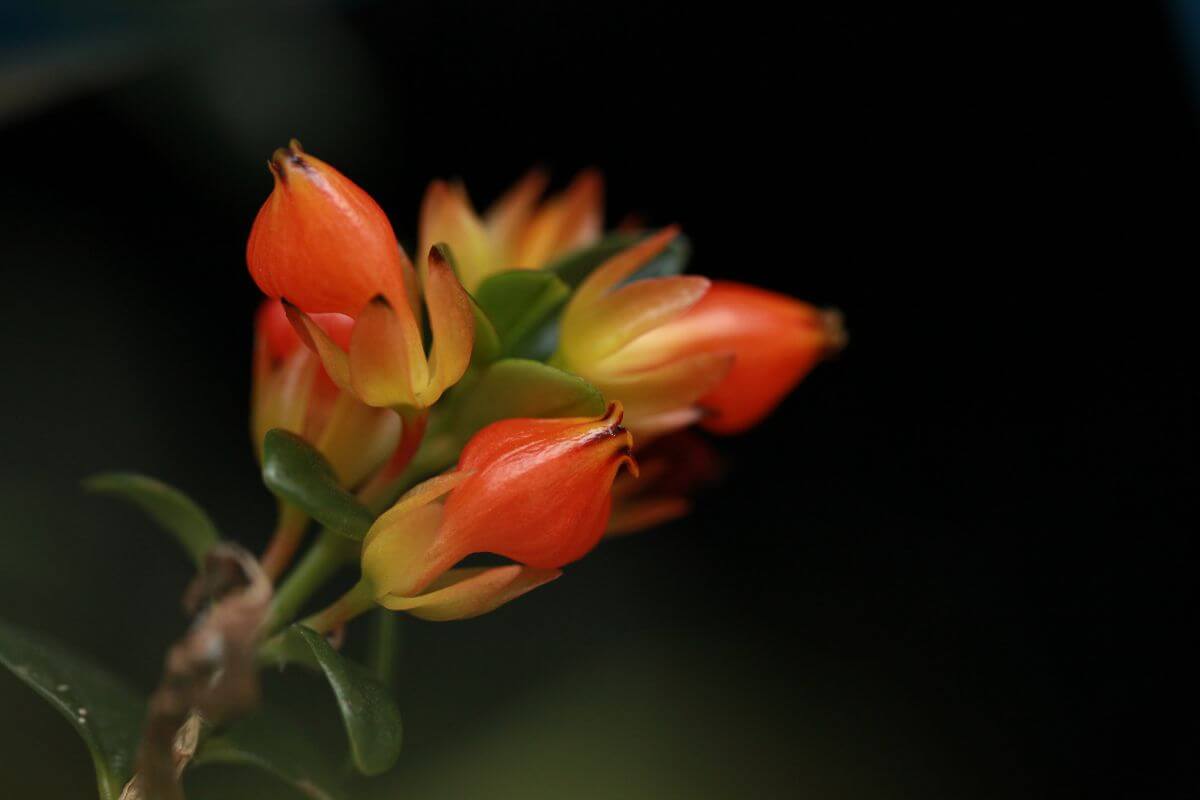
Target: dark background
956	563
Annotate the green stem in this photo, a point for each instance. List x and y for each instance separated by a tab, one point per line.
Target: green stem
289	532
360	598
322	561
383	646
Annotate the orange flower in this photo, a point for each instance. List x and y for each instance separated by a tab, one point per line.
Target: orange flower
321	242
775	341
537	491
607	325
323	245
516	232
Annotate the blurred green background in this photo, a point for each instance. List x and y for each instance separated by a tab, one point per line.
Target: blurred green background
954	564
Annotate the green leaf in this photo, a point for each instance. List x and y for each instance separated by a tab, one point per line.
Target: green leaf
518	387
102	709
297	472
279	746
521	304
371	717
173	510
577	265
487	342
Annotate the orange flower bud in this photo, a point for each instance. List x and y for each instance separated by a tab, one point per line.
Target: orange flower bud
447	217
537	491
775	340
321	242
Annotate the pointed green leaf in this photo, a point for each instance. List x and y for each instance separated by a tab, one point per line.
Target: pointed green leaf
279	746
518	387
297	472
577	265
371	717
101	709
173	510
521	304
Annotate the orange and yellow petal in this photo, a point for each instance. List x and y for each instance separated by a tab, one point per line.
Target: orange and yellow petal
600	329
400	554
452	321
664	389
620	267
333	357
570	220
387	357
282	397
469	592
506	217
357	439
448	217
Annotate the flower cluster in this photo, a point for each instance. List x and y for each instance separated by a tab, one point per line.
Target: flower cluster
494	397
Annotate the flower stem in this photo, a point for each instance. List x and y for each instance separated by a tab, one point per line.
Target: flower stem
360	598
289	532
322	561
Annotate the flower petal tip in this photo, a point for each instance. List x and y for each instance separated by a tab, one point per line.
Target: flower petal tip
610	426
439	256
836	338
287	157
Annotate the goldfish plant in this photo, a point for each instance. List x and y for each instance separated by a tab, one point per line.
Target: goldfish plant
455	430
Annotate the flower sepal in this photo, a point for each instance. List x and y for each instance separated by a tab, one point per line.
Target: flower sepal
574	267
610	318
467	592
386	365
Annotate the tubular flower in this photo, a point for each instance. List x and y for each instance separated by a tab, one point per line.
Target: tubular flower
321	244
516	232
775	340
605	330
536	491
